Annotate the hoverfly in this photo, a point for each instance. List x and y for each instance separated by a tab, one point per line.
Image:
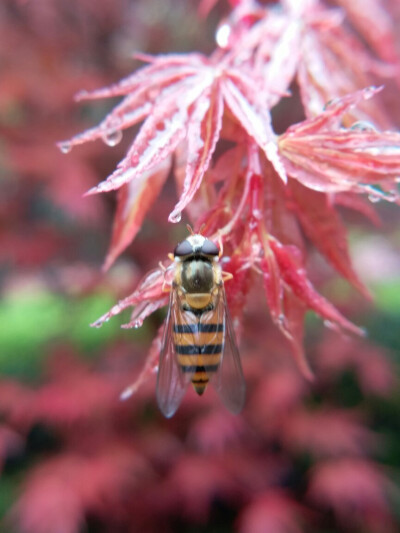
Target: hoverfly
198	344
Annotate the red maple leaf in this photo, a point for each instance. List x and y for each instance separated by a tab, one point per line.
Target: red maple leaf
355	490
271	511
325	156
183	98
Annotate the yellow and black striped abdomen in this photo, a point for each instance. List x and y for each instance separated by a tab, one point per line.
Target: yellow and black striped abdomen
199	348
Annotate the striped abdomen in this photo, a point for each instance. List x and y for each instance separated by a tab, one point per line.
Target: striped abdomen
199	347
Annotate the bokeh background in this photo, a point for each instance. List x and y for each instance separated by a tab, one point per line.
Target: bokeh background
318	458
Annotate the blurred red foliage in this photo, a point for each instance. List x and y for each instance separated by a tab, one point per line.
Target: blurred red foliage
299	458
127	467
355	490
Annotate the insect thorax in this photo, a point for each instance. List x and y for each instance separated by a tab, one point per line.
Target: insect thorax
197	276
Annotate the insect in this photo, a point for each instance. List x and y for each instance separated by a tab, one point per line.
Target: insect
198	343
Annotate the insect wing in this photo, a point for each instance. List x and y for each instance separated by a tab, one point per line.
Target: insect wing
229	380
171	382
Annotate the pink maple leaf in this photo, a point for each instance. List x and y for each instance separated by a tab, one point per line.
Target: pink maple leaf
133	202
324	156
195	482
373	21
370	363
60	492
355	490
271	511
327	432
181	98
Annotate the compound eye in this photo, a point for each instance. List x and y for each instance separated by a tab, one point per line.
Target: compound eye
209	248
183	248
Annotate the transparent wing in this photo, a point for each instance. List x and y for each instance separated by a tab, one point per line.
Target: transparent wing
229	380
171	382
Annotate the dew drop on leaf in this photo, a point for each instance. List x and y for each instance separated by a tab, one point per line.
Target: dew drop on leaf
282	320
176	217
257	213
364	332
369	92
363	125
222	35
375	194
81	94
127	393
374	199
112	137
392	196
330	103
65	147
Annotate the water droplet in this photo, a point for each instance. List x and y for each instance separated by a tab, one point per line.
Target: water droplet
392	196
257	214
363	125
256	249
223	34
112	137
281	320
65	147
369	92
376	194
175	217
100	321
127	393
329	103
138	324
81	94
331	325
374	199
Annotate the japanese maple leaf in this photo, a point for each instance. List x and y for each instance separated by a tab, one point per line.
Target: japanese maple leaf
310	43
272	510
323	155
326	70
60	491
372	19
355	490
182	99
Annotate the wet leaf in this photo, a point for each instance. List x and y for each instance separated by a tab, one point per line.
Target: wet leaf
134	200
242	98
295	277
151	288
203	133
325	157
323	226
159	135
327	70
372	19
